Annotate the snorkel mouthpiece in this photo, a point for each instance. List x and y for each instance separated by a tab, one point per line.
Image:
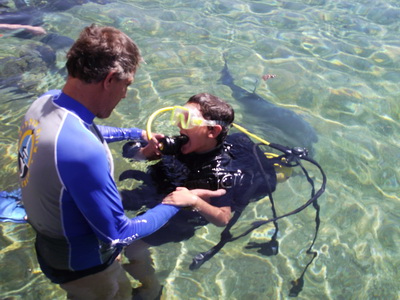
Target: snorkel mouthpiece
172	145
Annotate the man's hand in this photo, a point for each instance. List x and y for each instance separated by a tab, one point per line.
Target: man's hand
207	194
151	151
183	197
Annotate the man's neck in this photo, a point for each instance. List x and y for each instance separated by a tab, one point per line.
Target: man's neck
88	94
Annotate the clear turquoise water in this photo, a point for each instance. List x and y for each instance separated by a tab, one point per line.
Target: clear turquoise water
337	65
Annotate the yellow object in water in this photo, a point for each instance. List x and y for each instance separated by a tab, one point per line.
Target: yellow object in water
282	173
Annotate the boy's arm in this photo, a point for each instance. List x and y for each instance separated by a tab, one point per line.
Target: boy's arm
219	216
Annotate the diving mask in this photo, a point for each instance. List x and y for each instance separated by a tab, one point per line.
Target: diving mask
187	118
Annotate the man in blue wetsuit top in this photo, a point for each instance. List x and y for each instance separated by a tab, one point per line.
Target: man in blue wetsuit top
205	157
66	171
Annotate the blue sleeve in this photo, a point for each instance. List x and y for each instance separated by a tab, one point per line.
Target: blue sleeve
116	134
94	203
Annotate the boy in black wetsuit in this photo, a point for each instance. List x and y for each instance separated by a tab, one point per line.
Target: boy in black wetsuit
209	159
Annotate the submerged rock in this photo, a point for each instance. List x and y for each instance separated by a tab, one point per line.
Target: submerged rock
24	66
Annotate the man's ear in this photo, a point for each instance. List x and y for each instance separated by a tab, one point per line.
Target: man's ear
215	131
107	81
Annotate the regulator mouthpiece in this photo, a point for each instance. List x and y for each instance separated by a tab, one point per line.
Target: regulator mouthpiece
172	145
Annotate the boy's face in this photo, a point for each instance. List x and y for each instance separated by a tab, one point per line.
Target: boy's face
201	138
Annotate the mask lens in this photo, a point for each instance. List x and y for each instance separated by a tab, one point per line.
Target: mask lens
180	117
185	118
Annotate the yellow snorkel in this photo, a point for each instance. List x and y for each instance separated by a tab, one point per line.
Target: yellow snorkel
167	145
152	117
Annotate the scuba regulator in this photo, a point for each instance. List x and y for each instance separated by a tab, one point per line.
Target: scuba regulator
172	145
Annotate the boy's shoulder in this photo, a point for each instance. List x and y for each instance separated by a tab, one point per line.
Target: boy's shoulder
240	140
240	147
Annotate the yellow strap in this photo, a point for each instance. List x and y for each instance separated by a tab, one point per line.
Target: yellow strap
250	134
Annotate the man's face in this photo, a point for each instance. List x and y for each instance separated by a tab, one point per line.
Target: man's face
116	91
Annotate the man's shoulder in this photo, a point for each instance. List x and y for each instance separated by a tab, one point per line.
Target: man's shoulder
43	105
76	140
51	93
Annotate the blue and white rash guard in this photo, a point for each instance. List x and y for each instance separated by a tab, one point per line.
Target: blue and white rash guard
68	189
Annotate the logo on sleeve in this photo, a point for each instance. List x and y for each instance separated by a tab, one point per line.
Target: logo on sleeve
29	137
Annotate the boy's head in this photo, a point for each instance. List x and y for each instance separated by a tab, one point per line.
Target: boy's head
218	112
